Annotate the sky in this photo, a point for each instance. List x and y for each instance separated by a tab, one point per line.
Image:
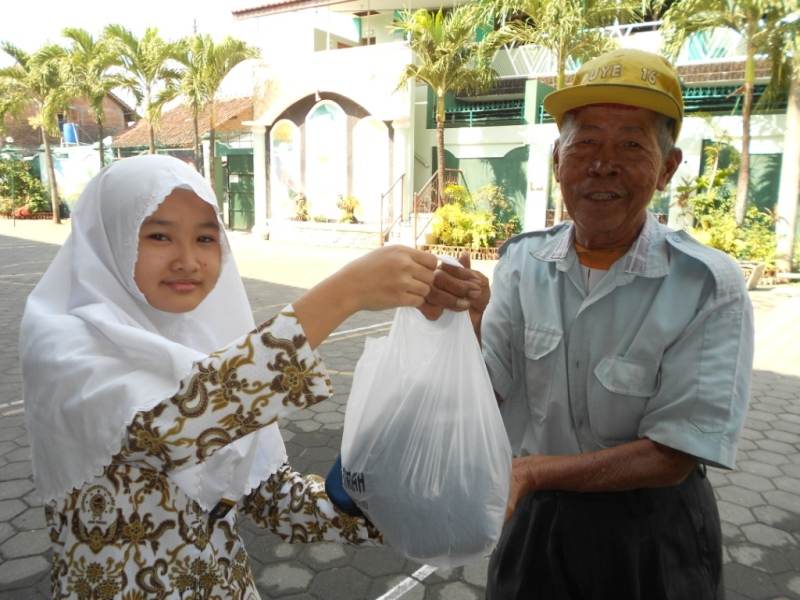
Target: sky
30	23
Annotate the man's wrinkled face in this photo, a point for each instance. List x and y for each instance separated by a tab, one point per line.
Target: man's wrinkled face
609	163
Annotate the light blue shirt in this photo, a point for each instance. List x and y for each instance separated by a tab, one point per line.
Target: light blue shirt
660	348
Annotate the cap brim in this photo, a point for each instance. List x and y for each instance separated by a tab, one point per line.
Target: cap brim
562	101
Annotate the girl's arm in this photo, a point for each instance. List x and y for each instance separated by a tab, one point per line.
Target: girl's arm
296	508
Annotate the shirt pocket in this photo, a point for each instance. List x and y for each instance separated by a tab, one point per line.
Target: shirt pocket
541	342
616	405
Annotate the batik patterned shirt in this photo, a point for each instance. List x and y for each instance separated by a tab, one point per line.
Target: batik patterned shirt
131	533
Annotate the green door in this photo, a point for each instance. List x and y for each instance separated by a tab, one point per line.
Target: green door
239	191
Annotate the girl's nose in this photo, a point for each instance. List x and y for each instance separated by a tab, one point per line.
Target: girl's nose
185	260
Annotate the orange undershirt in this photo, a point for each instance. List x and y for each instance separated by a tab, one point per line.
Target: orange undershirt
602	258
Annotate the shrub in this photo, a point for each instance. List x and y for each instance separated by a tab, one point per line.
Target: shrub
458	194
300	206
18	183
493	198
348	205
453	226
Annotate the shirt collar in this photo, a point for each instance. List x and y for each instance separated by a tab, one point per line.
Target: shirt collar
647	257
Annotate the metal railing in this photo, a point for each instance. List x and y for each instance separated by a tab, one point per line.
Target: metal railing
427	200
392	220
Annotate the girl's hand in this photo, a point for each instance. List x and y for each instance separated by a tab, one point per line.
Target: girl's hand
388	277
385	278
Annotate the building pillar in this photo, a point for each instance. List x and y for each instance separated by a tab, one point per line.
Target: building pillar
789	191
403	163
679	217
540	164
260	194
206	160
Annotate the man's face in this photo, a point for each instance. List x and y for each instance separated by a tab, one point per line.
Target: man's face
609	164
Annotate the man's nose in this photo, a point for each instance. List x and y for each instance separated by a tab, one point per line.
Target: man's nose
605	163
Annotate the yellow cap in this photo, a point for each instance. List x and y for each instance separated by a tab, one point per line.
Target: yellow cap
624	76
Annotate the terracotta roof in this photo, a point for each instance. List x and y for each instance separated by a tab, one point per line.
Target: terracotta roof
175	128
266	7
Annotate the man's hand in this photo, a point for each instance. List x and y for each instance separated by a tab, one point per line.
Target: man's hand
458	289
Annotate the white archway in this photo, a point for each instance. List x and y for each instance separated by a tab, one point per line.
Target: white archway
284	175
371	168
326	158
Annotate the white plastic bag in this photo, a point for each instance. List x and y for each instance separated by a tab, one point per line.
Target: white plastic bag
424	451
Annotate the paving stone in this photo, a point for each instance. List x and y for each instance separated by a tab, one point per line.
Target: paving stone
340	584
787	426
792	470
740	496
284	578
758	468
329	418
771	537
763	559
19	454
325	555
27	543
15	488
456	590
731	533
6	531
771	458
784	500
475	573
777	517
32	518
790	583
378	561
10	433
6	447
14	573
307	425
752	482
775	446
17	470
752	583
10	509
733	513
788	484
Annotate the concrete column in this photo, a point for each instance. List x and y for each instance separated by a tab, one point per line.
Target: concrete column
260	194
540	140
206	160
403	151
789	191
689	168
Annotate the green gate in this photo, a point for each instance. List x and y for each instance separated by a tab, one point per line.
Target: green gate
238	178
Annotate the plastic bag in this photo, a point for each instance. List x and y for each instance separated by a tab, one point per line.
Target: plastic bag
424	451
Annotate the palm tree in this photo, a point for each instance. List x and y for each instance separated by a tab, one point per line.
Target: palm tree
89	74
448	59
756	21
215	61
784	50
36	79
572	30
147	62
192	86
569	29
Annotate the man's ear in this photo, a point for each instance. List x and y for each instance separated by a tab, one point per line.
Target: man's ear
555	159
669	167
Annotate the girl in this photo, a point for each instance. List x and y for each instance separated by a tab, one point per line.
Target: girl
150	409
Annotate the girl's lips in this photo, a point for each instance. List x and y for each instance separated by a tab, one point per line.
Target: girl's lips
182	286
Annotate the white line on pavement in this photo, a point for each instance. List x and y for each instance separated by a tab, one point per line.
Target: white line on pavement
408	584
357	329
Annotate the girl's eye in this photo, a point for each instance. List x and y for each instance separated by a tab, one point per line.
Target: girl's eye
159	237
207	239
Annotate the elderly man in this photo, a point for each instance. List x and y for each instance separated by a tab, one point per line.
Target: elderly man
620	352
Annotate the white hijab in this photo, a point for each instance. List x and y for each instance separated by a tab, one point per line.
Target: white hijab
94	352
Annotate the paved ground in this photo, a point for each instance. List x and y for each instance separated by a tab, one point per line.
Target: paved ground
759	503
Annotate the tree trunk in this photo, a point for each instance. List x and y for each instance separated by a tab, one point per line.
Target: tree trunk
100	147
558	201
743	183
198	163
789	194
51	178
152	136
212	142
440	147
